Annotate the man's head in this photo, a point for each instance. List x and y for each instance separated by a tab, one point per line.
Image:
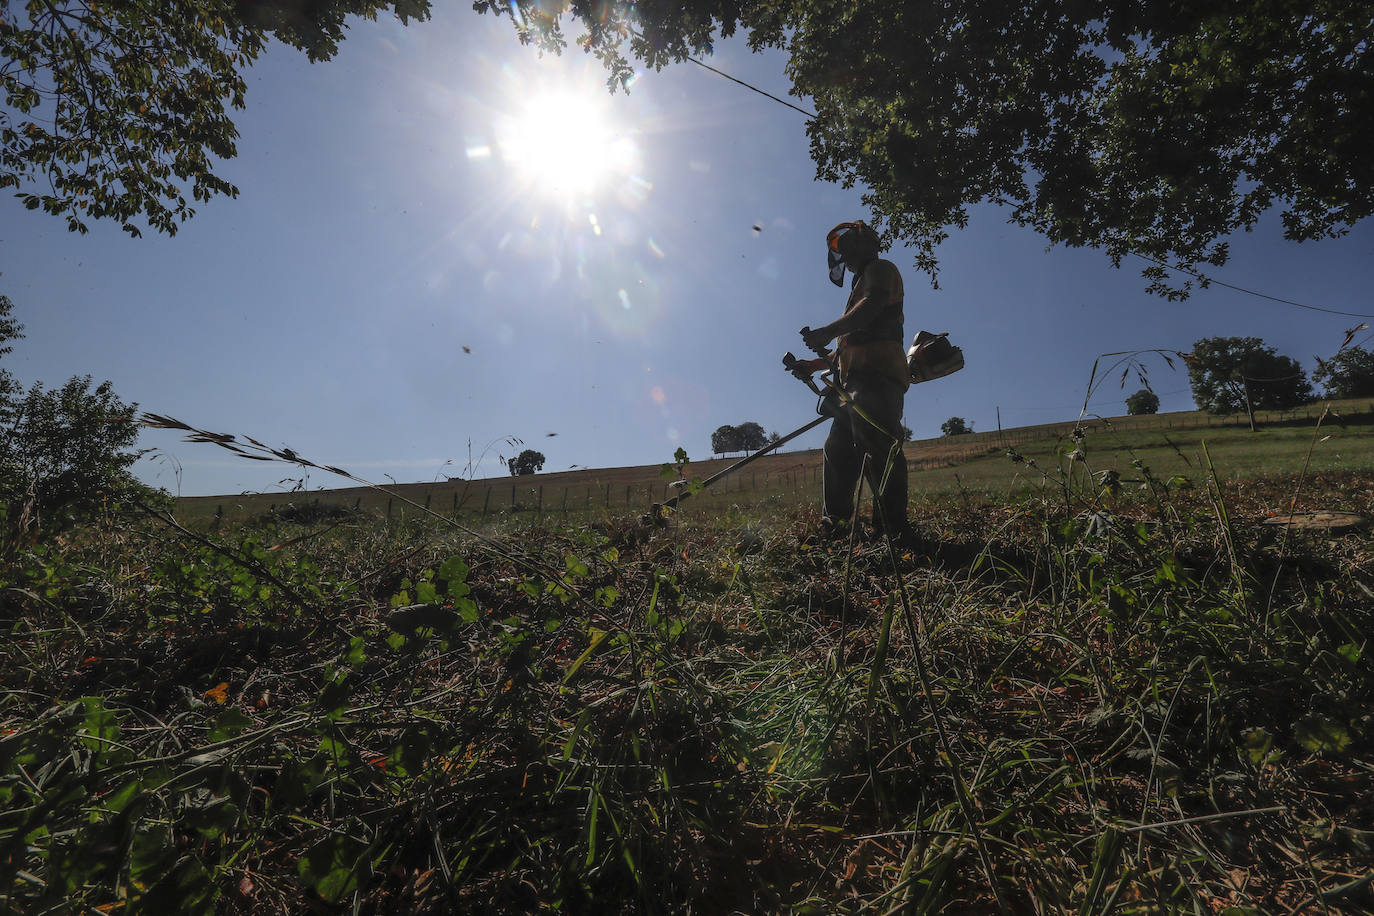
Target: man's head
851	245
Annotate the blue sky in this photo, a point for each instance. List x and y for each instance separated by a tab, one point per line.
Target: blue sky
388	219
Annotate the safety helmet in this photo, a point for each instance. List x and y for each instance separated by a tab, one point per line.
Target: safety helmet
842	239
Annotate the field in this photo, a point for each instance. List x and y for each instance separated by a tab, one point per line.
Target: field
973	464
1082	693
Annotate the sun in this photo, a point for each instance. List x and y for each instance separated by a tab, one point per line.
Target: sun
566	143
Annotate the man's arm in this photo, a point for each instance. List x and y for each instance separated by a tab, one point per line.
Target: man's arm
873	298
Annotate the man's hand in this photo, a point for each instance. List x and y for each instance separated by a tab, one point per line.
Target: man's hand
804	368
816	339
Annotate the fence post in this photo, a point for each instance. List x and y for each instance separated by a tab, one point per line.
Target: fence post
540	508
486	502
565	500
512	497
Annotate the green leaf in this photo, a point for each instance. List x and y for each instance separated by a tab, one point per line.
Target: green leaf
453	570
186	888
228	724
1255	745
1320	734
598	637
334	867
99	726
426	593
355	655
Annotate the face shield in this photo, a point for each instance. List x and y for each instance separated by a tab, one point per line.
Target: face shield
834	259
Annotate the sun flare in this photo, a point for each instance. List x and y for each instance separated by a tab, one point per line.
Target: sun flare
563	142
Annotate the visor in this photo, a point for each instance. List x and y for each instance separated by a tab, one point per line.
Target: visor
836	265
835	260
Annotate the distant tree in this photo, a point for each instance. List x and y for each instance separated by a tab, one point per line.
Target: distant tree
1229	373
527	462
751	436
1348	374
1142	402
121	110
774	438
64	452
725	440
955	426
907	434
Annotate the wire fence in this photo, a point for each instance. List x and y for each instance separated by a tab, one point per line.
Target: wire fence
800	481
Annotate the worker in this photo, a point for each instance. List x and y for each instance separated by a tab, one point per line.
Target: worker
873	376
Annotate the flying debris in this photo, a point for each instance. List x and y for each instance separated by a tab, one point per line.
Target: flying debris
550	435
467	349
757	228
1350	334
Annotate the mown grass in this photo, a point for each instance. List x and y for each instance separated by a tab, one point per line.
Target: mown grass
1082	700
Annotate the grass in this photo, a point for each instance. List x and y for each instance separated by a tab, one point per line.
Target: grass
1076	700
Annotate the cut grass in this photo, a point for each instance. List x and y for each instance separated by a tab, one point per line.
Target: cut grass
1164	713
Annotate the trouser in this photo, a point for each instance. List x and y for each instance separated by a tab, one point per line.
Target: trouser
852	437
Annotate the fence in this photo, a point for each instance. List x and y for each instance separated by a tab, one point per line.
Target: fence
797	482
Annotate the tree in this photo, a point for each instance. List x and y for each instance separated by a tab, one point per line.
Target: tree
1148	128
751	437
1142	402
527	462
1348	374
117	110
1230	374
907	434
62	452
956	426
724	440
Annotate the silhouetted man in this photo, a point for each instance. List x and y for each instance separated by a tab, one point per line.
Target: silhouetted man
873	375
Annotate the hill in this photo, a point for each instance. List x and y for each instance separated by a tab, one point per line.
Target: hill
1169	444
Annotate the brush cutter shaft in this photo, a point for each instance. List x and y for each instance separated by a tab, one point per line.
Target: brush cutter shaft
672	503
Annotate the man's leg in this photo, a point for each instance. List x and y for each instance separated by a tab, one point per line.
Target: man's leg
841	471
881	399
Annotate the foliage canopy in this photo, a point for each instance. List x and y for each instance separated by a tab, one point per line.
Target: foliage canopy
956	426
746	437
62	451
1138	128
1221	369
527	462
1348	374
118	110
1142	402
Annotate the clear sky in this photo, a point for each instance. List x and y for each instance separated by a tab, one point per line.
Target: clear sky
443	241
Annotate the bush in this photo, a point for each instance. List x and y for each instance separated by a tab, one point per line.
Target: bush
1142	402
64	452
956	426
1348	374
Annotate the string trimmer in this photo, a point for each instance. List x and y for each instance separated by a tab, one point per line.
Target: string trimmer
826	406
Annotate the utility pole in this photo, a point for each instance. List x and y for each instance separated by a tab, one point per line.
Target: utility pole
1249	406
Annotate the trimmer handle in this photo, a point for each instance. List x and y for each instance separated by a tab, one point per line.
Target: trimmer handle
789	361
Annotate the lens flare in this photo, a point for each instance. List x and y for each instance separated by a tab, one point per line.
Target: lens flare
566	143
